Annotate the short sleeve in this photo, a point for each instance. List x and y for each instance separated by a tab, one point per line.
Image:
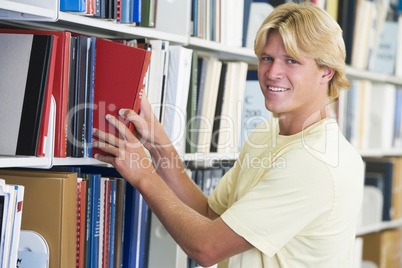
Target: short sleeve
218	200
283	202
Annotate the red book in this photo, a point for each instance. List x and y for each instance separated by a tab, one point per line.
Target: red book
119	82
60	84
81	226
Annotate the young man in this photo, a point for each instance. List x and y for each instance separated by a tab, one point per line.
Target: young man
293	196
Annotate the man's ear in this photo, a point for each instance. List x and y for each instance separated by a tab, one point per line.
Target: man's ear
327	75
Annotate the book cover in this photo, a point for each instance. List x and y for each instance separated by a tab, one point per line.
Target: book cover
121	185
89	96
9	194
78	116
119	82
134	233
112	217
218	110
385	52
94	215
25	56
137	11
178	83
155	77
47	101
73	5
69	138
83	217
191	141
346	19
209	97
254	110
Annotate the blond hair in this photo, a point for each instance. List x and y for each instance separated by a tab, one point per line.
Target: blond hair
308	31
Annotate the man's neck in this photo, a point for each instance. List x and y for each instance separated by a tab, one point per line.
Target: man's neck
290	125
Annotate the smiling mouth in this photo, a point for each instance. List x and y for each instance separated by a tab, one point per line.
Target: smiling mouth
278	89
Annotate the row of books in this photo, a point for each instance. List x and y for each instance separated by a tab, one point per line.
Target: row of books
235	23
87	76
11	204
377	39
370	115
138	12
215	102
90	77
88	219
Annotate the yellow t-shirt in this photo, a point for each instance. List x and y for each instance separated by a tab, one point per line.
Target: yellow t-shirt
295	198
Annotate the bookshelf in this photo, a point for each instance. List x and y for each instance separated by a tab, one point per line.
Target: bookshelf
26	15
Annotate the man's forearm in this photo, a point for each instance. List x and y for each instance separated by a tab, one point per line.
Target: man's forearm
171	169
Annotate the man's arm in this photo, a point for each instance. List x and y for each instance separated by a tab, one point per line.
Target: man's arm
183	211
204	240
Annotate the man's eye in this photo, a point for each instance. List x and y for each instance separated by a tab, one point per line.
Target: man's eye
293	61
266	58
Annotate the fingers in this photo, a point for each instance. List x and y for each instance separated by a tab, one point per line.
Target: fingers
140	124
122	128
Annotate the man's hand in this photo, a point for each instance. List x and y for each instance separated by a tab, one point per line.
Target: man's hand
126	154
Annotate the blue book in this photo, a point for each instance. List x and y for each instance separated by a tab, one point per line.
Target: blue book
194	17
143	235
73	5
125	11
397	139
89	96
246	17
130	225
94	220
112	222
137	11
132	229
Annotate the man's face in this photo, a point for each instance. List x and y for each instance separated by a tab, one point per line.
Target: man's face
292	88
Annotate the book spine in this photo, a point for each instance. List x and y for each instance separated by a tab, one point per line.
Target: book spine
112	222
140	90
79	213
